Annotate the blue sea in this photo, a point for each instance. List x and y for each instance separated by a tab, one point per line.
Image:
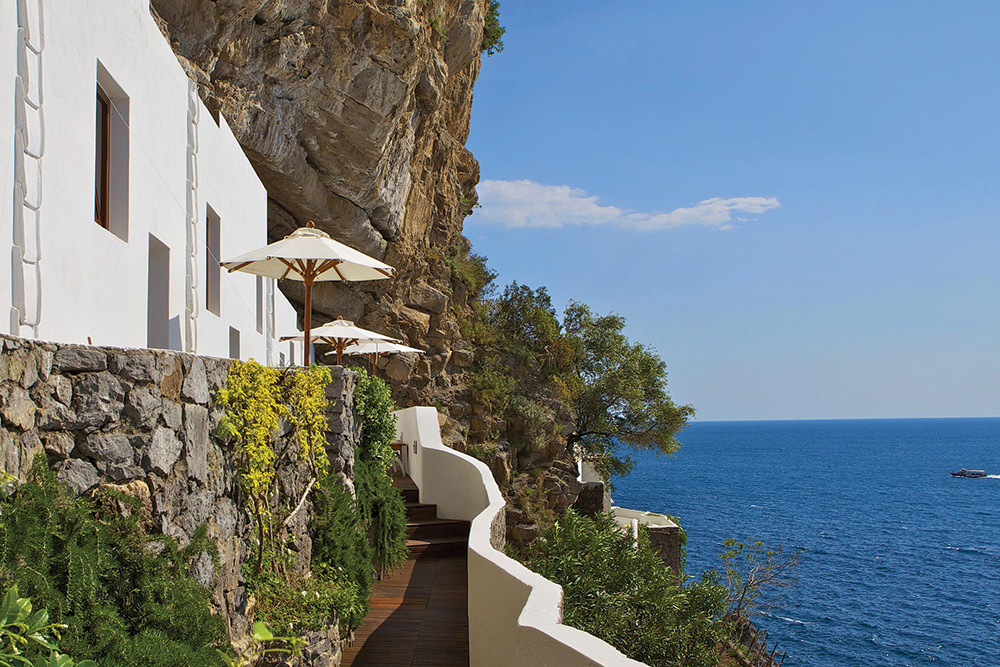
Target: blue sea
900	562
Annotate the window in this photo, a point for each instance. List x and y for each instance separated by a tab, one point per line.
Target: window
234	343
103	152
158	295
213	276
260	304
111	155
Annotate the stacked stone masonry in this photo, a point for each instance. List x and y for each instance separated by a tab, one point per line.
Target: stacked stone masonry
144	421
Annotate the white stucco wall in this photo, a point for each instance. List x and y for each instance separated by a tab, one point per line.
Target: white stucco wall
94	282
515	615
8	64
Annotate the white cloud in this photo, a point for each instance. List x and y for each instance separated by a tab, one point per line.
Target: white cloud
529	204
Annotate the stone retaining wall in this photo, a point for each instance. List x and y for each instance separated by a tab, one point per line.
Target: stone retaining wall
144	421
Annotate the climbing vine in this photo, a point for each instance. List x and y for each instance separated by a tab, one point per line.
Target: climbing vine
373	406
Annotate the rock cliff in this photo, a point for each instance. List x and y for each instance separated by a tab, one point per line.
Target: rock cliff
355	114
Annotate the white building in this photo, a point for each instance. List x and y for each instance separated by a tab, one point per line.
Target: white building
121	192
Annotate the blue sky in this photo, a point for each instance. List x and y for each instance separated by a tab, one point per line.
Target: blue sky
794	203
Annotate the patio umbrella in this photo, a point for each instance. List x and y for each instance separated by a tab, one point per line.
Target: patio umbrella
340	333
374	348
310	255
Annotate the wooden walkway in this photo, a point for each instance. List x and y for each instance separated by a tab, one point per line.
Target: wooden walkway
419	615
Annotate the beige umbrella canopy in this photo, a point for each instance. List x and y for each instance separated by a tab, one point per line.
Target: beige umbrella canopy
374	349
340	333
310	255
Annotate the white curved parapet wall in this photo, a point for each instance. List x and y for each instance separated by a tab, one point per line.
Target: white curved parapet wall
515	615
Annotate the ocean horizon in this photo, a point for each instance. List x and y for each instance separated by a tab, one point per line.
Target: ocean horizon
900	562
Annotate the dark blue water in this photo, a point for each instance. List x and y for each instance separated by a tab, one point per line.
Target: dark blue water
900	562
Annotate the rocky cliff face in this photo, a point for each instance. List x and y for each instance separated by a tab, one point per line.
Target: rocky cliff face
355	114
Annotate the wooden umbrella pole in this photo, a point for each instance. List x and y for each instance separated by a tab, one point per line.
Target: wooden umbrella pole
374	359
340	352
308	319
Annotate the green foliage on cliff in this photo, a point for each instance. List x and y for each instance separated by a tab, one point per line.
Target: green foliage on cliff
383	514
755	575
297	604
625	595
125	596
470	270
493	32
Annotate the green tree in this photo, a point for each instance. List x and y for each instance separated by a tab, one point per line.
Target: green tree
751	569
618	391
525	322
492	30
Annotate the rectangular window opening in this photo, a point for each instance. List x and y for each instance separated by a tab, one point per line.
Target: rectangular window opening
234	343
158	295
103	153
213	276
260	304
111	156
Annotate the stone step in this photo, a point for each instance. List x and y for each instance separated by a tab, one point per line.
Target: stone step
429	528
438	546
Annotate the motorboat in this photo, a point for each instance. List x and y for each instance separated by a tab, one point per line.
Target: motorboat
969	473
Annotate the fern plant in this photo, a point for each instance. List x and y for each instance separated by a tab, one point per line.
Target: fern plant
124	597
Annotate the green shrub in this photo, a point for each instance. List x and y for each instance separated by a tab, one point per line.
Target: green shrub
624	594
340	545
485	453
383	514
526	322
381	510
27	633
528	423
471	270
374	407
124	596
492	383
298	605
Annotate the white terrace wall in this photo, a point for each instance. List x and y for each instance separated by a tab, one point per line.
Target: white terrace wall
171	161
515	615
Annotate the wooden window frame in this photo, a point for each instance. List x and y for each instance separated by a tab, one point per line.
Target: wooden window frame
102	185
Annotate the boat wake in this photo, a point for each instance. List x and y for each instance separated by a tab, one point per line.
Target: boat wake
790	620
993	476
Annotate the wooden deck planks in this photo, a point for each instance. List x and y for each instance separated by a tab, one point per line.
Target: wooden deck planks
419	618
